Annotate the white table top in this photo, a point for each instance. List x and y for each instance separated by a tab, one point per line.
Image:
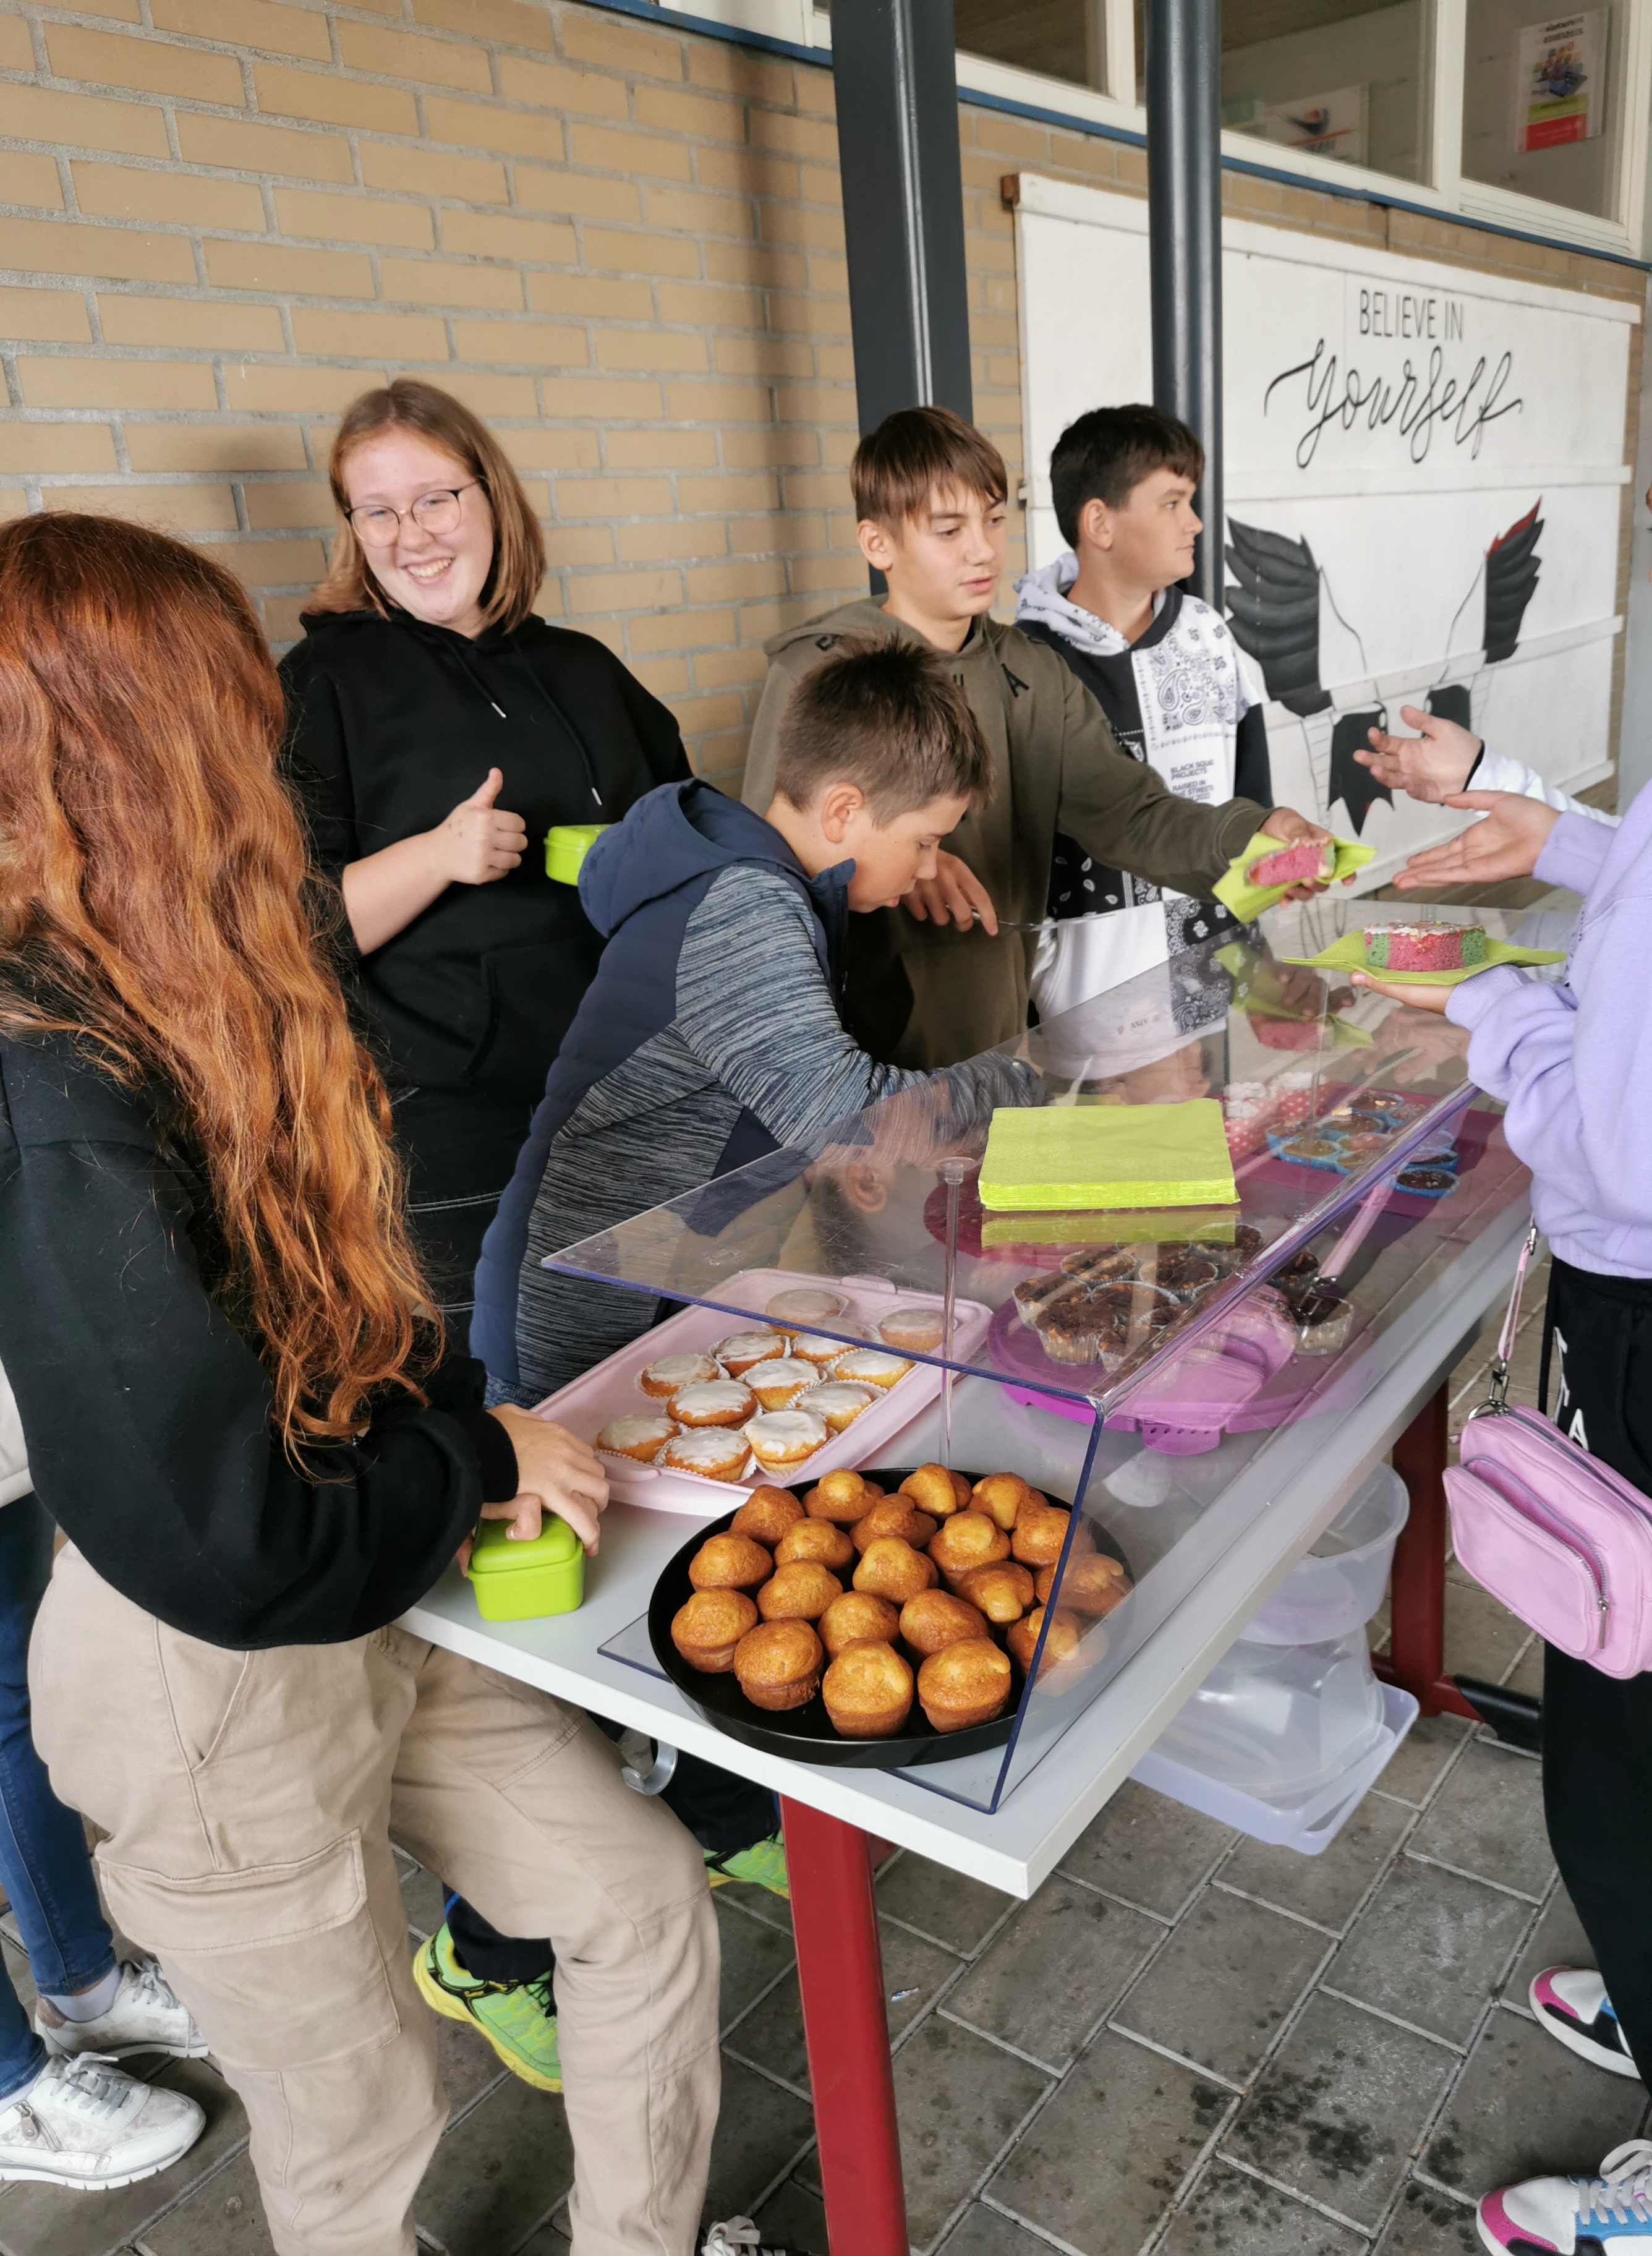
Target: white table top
1309	1471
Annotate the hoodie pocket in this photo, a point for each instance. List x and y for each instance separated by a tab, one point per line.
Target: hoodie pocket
533	994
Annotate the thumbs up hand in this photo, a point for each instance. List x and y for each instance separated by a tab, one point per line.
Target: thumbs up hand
479	842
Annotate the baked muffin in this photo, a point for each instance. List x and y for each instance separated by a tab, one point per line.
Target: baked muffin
858	1617
672	1373
715	1452
638	1435
799	1591
741	1349
828	1545
713	1402
871	1366
1003	1592
729	1563
1001	1496
777	1383
1093	1584
912	1331
709	1628
964	1683
778	1665
816	1346
804	1304
894	1515
1035	1295
1040	1531
842	1496
867	1692
935	1491
968	1538
1065	1630
935	1619
890	1569
836	1401
782	1440
766	1514
1100	1265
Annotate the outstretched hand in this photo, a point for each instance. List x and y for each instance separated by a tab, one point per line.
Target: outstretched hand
1431	765
479	842
1506	845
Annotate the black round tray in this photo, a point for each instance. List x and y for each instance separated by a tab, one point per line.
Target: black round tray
807	1734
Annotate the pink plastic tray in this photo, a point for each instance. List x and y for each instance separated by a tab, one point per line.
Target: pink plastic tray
609	1388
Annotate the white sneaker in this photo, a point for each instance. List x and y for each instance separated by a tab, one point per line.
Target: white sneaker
146	2017
1608	2216
738	2237
87	2124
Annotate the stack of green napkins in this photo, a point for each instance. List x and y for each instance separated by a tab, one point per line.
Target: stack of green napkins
1066	1158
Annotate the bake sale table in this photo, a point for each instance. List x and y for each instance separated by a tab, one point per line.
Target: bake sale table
1211	1505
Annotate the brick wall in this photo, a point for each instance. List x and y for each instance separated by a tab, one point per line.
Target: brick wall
221	219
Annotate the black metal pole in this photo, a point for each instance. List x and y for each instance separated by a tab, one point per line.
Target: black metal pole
1184	220
894	65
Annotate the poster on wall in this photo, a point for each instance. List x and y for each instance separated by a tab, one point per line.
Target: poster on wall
1330	124
1560	82
1423	479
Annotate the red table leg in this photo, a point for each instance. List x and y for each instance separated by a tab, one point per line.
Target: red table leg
1416	1661
840	1973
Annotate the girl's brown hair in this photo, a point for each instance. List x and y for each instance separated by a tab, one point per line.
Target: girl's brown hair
407	403
151	876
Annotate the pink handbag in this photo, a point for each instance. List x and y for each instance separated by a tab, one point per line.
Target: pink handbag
1556	1536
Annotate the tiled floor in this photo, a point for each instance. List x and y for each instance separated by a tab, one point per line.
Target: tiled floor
1186	2044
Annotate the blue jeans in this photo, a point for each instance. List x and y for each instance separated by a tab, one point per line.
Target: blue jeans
44	1868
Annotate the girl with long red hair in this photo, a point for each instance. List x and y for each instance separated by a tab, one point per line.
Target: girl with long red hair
237	1409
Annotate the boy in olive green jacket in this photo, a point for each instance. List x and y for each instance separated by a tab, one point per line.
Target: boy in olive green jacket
935	981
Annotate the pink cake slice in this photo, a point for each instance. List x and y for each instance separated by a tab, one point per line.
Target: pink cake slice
1425	946
1293	865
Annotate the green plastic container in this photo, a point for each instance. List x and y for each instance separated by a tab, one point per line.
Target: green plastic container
567	847
515	1582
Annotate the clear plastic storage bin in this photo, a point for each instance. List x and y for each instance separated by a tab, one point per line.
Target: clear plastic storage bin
1339	1585
1281	1721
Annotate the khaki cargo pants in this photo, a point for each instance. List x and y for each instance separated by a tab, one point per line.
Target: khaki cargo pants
250	1798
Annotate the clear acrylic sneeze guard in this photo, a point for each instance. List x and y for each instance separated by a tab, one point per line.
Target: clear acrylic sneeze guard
1228	1337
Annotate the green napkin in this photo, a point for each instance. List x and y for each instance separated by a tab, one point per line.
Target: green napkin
1063	1156
1237	960
1248	901
1348	954
1073	1231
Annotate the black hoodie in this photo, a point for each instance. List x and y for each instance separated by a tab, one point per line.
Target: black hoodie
390	724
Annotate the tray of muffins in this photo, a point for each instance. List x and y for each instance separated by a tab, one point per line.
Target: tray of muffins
885	1618
831	1370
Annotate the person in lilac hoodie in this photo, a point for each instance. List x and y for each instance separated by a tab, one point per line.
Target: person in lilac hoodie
1572	1062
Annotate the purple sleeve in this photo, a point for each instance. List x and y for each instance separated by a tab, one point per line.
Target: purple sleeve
1573	852
1574	1068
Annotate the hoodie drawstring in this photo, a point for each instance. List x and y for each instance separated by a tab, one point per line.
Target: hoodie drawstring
473	674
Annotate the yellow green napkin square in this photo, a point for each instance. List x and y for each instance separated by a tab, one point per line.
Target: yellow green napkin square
1061	1157
1348	954
1074	1230
1235	892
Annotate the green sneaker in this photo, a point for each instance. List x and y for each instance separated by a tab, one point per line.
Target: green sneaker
763	1864
516	2017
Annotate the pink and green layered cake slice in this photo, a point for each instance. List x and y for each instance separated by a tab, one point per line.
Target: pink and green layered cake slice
1305	865
1425	946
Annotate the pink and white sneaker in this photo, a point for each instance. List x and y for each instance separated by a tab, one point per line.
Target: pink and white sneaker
1608	2216
1571	2002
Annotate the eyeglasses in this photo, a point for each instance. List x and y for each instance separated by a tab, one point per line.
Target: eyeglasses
438	512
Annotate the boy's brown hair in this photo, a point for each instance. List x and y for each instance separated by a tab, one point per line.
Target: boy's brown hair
887	717
1105	456
915	451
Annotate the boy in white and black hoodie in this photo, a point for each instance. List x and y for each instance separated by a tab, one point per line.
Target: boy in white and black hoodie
1165	670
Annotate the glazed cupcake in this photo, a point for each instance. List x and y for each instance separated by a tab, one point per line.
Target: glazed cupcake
782	1440
816	1347
801	1305
871	1366
912	1331
713	1402
672	1373
777	1383
638	1436
741	1349
837	1402
715	1452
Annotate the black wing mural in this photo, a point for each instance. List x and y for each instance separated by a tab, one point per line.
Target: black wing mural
1354	786
1273	606
1511	580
